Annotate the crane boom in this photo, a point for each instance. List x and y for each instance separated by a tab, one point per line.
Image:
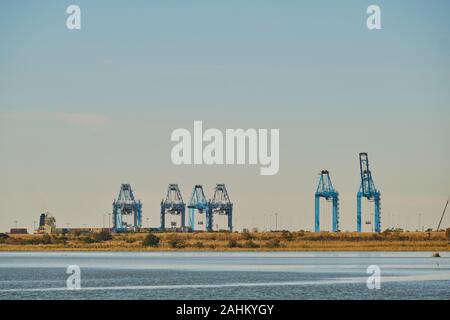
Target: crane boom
442	217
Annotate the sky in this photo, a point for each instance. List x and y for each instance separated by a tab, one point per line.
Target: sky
82	111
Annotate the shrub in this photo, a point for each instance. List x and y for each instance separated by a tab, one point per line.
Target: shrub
14	241
88	240
151	240
46	239
198	244
176	243
287	235
3	237
232	243
251	244
246	235
102	236
76	234
447	233
273	243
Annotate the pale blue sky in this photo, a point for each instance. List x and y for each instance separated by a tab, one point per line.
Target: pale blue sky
83	111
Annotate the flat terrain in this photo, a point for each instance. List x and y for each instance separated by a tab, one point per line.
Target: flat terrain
227	241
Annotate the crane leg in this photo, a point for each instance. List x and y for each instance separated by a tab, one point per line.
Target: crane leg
317	214
358	212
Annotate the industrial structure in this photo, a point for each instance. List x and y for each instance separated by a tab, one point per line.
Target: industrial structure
221	205
47	223
199	204
326	190
173	204
367	190
124	208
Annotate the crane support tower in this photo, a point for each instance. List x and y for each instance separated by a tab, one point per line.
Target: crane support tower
221	205
367	189
173	204
326	190
126	205
198	203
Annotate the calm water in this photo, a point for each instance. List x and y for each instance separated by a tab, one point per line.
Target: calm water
180	275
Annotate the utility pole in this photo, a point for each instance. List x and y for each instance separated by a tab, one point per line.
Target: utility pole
276	221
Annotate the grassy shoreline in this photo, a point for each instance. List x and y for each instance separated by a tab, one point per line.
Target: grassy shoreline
234	242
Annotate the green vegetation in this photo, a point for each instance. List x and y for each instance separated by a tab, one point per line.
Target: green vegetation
151	240
198	245
273	243
102	236
232	243
46	239
176	242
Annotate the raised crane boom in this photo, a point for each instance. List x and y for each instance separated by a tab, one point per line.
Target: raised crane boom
442	217
367	190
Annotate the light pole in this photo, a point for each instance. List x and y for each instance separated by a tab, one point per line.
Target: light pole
276	221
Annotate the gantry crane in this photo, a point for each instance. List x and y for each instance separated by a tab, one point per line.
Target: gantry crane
173	204
367	189
326	190
221	205
198	203
126	205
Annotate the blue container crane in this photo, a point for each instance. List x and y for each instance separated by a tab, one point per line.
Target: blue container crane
367	189
126	205
326	190
173	204
198	203
221	205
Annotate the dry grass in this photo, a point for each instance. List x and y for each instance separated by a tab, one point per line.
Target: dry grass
243	241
